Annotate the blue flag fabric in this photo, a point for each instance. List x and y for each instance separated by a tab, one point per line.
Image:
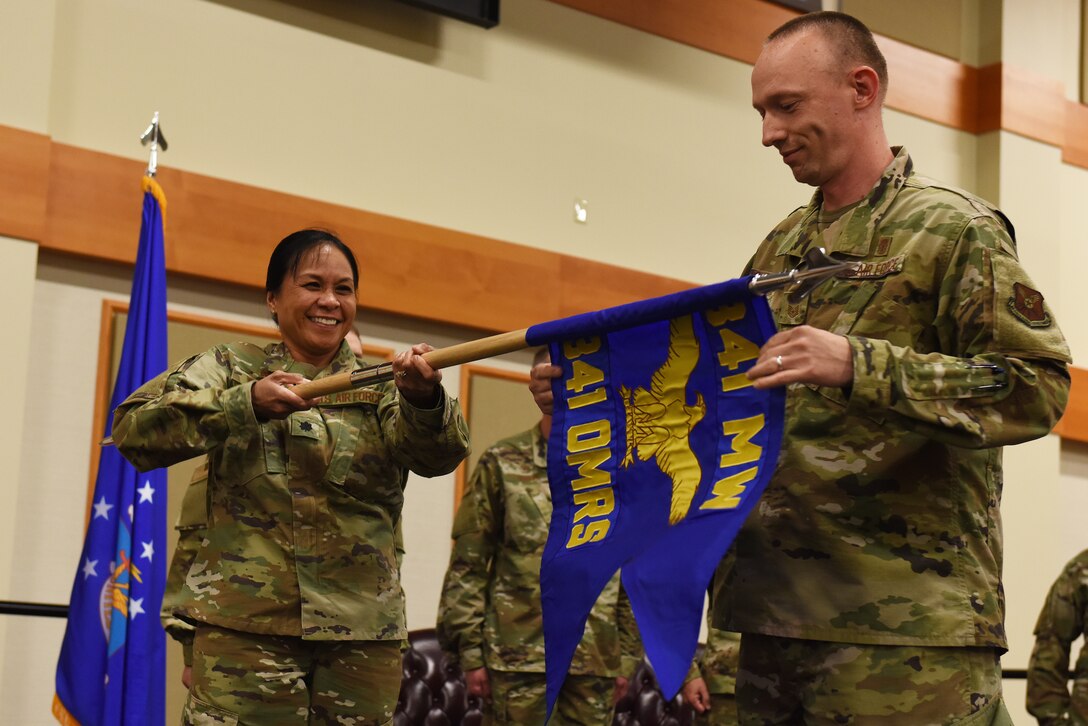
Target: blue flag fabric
659	449
112	665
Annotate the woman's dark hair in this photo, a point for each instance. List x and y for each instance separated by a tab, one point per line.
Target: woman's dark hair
288	255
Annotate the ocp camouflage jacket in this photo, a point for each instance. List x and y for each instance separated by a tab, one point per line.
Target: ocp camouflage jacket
490	611
881	523
301	511
1063	620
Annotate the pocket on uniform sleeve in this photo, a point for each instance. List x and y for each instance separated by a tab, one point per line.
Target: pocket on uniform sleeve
929	381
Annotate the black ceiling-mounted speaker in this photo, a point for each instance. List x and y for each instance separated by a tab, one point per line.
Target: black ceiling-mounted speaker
484	13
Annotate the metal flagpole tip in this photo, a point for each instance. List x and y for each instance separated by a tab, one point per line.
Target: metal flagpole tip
153	137
816	267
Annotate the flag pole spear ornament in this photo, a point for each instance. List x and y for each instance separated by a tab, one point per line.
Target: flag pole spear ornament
816	267
153	137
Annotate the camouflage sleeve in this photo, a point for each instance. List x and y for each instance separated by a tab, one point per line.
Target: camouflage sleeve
1001	378
429	442
1061	622
476	533
191	526
693	670
184	412
630	639
398	542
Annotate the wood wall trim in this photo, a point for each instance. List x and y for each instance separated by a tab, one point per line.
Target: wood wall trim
1075	148
24	181
1074	422
1033	106
924	84
731	28
931	86
102	392
469	371
224	231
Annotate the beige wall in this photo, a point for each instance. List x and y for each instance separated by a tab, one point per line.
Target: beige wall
494	132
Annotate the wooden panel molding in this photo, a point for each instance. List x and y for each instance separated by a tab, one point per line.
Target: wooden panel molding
470	372
224	231
1075	148
923	83
931	86
24	181
1074	424
731	28
1033	105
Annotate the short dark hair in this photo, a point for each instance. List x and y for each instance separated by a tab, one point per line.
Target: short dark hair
288	254
852	38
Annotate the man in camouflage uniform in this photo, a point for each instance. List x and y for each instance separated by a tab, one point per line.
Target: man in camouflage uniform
867	582
298	567
489	617
711	683
1063	619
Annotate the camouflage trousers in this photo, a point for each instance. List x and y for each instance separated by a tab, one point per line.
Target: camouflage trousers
268	680
518	699
723	711
790	681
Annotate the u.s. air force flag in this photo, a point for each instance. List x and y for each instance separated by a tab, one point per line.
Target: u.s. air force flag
659	449
112	666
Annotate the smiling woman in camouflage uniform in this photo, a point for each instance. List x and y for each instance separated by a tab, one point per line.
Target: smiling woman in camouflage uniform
295	591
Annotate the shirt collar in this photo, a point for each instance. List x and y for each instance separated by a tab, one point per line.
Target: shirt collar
852	233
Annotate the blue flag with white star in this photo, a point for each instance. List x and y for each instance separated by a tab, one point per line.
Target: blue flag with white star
112	665
660	447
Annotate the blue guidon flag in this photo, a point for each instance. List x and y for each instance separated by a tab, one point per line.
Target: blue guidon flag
659	449
112	665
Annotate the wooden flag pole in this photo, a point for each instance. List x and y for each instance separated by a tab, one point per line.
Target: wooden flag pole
816	267
440	358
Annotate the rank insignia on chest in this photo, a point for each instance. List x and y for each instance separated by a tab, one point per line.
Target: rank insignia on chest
1027	305
795	312
788	312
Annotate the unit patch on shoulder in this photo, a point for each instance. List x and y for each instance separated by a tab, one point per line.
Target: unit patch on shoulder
1027	305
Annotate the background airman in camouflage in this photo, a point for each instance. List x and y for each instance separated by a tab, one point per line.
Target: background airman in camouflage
1063	619
489	618
867	582
711	684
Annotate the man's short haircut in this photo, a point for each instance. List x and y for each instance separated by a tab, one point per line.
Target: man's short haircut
853	40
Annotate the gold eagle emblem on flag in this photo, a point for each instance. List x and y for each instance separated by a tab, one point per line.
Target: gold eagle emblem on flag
659	420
